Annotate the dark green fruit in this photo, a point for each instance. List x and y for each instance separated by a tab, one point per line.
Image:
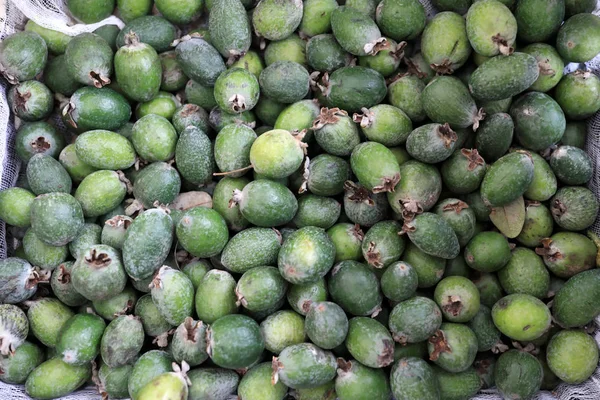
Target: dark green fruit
431	143
507	179
301	297
405	93
525	273
251	248
370	342
355	288
487	252
90	13
539	20
399	281
494	136
382	245
572	355
356	32
429	269
401	20
414	320
56	79
324	53
576	303
114	380
578	38
234	341
355	381
460	217
444	44
482	324
286	81
158	183
304	365
98	273
458	386
17	366
518	374
521	317
447	100
180	12
45	220
353	88
89	60
23	55
326	325
571	165
190	114
92	108
215	383
412	378
122	341
453	347
463	172
574	207
31	101
433	235
200	61
45	175
229	28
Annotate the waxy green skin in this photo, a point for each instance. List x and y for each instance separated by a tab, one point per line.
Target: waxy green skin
301	297
31	101
222	194
370	342
114	230
414	320
385	124
572	355
200	61
460	347
576	303
433	235
550	64
235	341
42	254
324	54
307	255
338	135
303	366
229	28
431	143
55	78
487	252
46	318
55	378
456	386
163	104
100	192
180	13
567	254
173	293
411	378
355	31
251	248
15	206
105	150
132	9
276	20
276	154
571	165
420	183
159	183
318	211
544	183
154	138
507	179
150	365
487	20
286	81
399	281
23	55
405	94
578	38
282	329
256	384
173	77
89	60
444	42
503	77
485	330
292	48
76	168
316	17
401	20
382	245
538	224
327	174
260	289
382	172
429	269
518	374
268	111
525	273
115	380
27	142
120	304
347	239
460	113
494	136
216	383
355	288
238	83
147	243
46	175
91	108
266	203
190	114
17	367
354	88
46	224
457	289
539	20
193	155
578	94
355	381
122	341
153	322
200	95
62	285
88	236
521	317
323	392
574	208
90	13
138	70
215	296
462	220
202	232
232	149
326	325
79	341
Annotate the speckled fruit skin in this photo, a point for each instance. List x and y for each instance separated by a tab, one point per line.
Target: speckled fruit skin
266	203
433	235
79	341
46	319
525	266
105	150
251	248
382	245
574	207
276	154
453	347
399	281
215	296
260	289
17	367
578	94
488	336
326	325
122	341
15	206
23	56
414	320
173	293
256	384
412	378
100	192
282	329
98	273
355	288
521	317
31	101
14	328
89	59
576	303
518	374
355	381
303	366
491	28
458	298
497	191
577	39
370	342
56	218
235	341
202	232
55	378
230	28
487	252
444	42
572	355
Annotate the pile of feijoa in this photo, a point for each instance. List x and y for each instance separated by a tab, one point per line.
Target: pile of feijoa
309	200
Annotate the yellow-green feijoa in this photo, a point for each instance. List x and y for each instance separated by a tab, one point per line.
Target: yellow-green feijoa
200	60
92	108
105	150
521	317
282	329
256	384
89	60
154	138
222	194
23	55
150	365
56	218
572	355
229	28
76	168
180	12
173	293
382	245
578	38
487	252
163	104
567	253
550	64
41	254
384	124
444	44
132	9
16	367
252	247
122	341
153	322
100	192
491	28
169	385
304	365
380	177
45	175
120	304
266	203
202	232
260	289
138	69
215	296
453	347
31	101
275	20
234	341
79	340
460	112
316	17
15	206
232	149
55	378
496	190
55	41
578	94
458	298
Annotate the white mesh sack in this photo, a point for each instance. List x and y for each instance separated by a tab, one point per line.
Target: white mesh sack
52	14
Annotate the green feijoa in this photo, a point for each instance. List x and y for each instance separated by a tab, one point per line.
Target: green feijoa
318	211
105	150
173	77
538	21
215	296
79	339
573	207
494	136
260	289
538	224
400	20
576	302
114	380
575	134
200	61
62	285
146	368
375	166
138	69
202	232
232	149
19	280
100	192
236	90
429	269
114	229
266	203
549	63
578	94
292	48
503	77
188	343
353	88
539	121
324	53
457	267
251	61
573	7
14	328
76	168
261	315
488	336
252	247
301	297
366	39
56	218
418	190
414	320
460	217
335	131
222	194
578	38
153	322
118	305
57	80
17	366
89	235
55	41
543	185
355	381
163	104
98	273
96	108
572	355
384	124
173	293
190	114
507	179
147	243
444	44
490	290
431	143
54	378
399	281
370	342
433	235
154	138
41	254
447	100
405	94
571	165
457	386
47	316
229	28
518	374
453	347
354	287
23	55
458	298
322	392
109	33
411	350
411	378
15	206
256	384
276	20
89	60
567	253
304	365
213	383
491	28
365	7
326	175
234	341
31	101
268	111
158	182
193	155
90	13
45	175
363	207
286	81
521	317
200	95
316	18
307	255
132	9
386	61
382	245
487	252
525	273
326	324
282	329
180	12
122	341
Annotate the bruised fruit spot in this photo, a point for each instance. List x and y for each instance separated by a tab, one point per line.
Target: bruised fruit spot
373	256
306	305
453	305
457	207
321	307
40	145
470	257
447	135
526	327
440	345
570	44
387	356
98	260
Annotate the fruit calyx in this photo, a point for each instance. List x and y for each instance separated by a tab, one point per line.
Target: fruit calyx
373	256
503	46
388	183
440	345
447	135
328	116
366	119
548	251
358	193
